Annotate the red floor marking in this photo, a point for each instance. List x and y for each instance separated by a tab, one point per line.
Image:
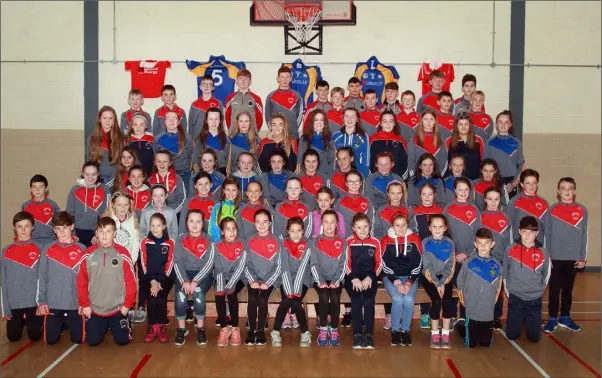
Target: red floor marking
14	355
140	365
453	368
570	352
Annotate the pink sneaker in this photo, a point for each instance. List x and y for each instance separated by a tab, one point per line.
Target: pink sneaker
445	341
435	341
153	331
162	332
323	337
224	336
235	338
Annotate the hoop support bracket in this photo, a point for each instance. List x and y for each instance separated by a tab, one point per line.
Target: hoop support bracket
313	46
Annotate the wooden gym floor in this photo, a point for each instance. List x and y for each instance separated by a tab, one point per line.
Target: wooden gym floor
563	354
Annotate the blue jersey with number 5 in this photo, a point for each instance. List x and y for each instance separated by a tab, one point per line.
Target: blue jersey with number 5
375	75
223	71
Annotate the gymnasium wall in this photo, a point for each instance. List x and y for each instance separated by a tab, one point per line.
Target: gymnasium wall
43	108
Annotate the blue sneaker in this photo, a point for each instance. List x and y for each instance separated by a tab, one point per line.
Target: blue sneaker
567	322
334	338
323	337
425	321
550	326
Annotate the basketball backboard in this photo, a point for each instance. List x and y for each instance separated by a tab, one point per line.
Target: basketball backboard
271	13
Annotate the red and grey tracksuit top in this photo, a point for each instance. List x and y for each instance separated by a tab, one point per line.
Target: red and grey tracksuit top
268	145
407	124
310	186
196	115
507	151
423	216
415	151
479	186
351	204
289	103
326	153
274	186
142	197
106	281
482	124
566	229
335	119
428	101
369	121
384	216
57	275
354	102
288	209
446	122
328	259
523	205
402	255
264	260
438	260
126	119
364	258
230	262
86	204
390	142
238	102
464	220
159	118
500	226
295	267
479	284
19	275
337	185
156	257
143	146
42	213
415	183
526	271
204	204
176	189
375	187
245	218
193	254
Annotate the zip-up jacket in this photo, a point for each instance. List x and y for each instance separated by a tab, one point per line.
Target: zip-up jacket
156	257
384	217
295	267
464	219
19	275
245	219
42	213
159	118
328	259
402	256
230	262
106	170
217	180
415	151
446	125
193	255
144	148
264	260
106	281
526	271
472	158
126	119
181	158
479	187
351	204
176	190
423	216
326	154
289	103
375	188
369	120
566	229
390	142
288	209
337	185
142	197
335	119
354	102
482	124
198	110
361	149
507	151
213	142
500	226
363	257
450	193
238	102
523	205
310	186
427	101
243	182
86	204
57	275
316	224
438	260
274	186
414	194
479	285
268	145
204	204
407	124
170	217
222	209
238	144
128	236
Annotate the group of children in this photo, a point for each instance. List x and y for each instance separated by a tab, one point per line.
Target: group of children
364	194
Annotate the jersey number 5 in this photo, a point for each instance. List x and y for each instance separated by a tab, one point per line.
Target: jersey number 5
217	77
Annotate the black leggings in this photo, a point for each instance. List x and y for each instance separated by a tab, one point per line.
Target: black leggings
362	306
21	318
157	306
258	306
296	306
329	303
562	281
437	303
220	306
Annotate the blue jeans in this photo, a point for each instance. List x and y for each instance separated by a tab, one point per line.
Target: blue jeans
403	304
198	298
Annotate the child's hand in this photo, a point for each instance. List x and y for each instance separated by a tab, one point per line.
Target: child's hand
254	285
195	169
509	187
124	310
93	241
42	310
87	311
356	284
323	286
333	286
186	287
367	283
441	290
80	310
193	286
461	257
580	264
263	286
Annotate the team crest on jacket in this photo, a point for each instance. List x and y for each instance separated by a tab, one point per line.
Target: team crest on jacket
271	247
371	252
33	255
301	247
122	237
301	212
501	223
114	262
74	254
532	258
164	249
338	244
200	247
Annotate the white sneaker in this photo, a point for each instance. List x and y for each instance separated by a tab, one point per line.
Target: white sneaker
305	339
287	322
294	322
276	339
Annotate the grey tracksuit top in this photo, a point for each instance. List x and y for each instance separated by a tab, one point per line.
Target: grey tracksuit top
351	204
526	271
286	210
106	169
245	219
274	186
375	187
167	212
57	275
176	188
42	213
480	282
464	219
384	215
19	268
193	255
507	151
500	226
438	260
295	266
566	229
523	205
289	103
180	160
264	260
328	259
86	204
414	192
230	263
197	113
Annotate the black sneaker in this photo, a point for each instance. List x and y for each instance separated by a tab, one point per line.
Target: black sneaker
260	338
368	341
406	338
201	336
497	324
346	322
395	338
250	340
180	336
358	341
189	315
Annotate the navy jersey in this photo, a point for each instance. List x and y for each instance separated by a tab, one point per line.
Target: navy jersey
375	75
304	79
223	71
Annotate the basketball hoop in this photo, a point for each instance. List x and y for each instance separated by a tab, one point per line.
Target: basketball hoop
303	17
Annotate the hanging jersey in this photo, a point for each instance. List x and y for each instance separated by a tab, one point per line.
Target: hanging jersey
425	73
223	71
304	79
148	76
375	75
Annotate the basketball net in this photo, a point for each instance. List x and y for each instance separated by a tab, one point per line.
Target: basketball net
303	18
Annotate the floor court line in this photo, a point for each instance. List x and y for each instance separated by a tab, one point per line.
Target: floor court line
15	354
453	368
58	360
527	357
140	365
572	354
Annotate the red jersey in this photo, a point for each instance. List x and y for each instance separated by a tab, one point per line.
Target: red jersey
425	72
148	76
